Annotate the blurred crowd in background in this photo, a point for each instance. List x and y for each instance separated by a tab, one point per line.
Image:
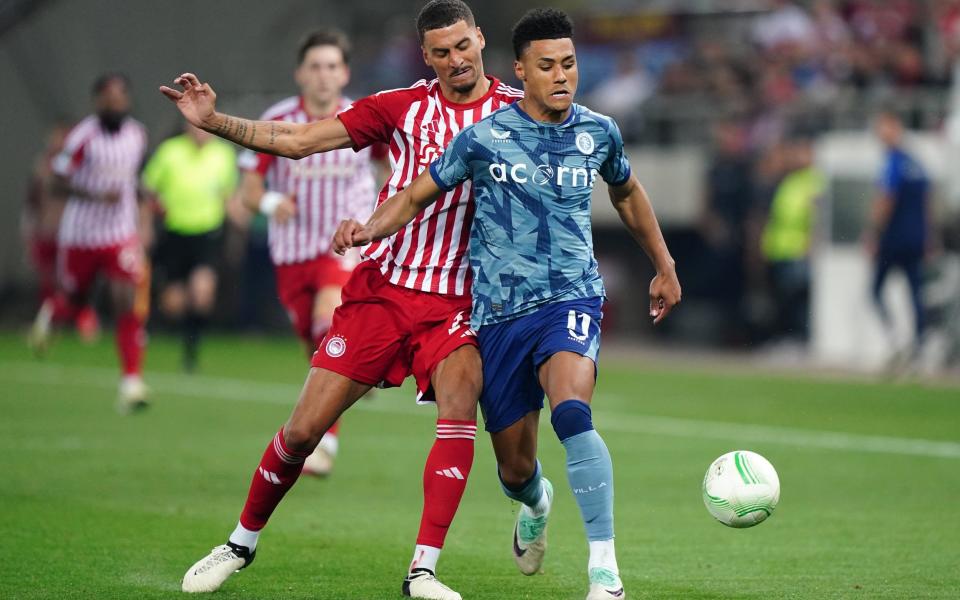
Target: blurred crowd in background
752	84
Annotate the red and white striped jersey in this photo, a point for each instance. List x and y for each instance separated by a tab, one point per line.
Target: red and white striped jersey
98	161
326	187
430	253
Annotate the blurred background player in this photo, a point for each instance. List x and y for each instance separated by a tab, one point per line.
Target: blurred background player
192	176
40	221
98	173
897	234
786	241
407	306
306	199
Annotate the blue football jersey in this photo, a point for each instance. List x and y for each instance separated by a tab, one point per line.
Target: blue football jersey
531	242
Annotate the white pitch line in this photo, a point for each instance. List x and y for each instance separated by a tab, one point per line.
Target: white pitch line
241	390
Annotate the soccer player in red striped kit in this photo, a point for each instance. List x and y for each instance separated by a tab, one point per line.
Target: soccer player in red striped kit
306	199
405	309
98	173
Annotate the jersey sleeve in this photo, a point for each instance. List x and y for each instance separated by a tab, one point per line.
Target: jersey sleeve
453	166
71	157
367	121
379	151
615	170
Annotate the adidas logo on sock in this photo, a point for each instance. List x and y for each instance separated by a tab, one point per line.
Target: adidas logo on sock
270	476
452	473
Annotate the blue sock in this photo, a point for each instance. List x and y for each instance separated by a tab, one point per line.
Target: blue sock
589	468
529	492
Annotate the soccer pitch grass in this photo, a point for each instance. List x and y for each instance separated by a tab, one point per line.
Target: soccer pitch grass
96	505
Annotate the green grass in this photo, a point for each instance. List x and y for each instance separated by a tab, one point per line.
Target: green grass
95	505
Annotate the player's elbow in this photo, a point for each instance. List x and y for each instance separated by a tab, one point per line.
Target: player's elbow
298	149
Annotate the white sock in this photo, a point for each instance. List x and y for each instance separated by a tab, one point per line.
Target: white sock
330	443
424	557
242	536
542	507
603	556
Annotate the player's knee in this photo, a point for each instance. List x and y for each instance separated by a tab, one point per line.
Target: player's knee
300	437
460	405
517	471
570	418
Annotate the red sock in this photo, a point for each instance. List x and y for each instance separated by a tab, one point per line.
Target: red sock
130	342
445	478
278	471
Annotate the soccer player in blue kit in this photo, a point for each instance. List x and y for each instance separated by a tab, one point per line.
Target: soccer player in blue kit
537	293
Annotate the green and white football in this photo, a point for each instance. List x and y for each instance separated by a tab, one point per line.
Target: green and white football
741	489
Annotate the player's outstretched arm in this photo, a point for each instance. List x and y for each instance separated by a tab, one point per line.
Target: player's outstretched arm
636	212
390	216
197	102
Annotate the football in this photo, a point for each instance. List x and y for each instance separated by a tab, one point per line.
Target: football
741	489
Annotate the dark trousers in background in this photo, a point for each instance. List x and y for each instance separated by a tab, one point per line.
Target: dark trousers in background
911	263
790	282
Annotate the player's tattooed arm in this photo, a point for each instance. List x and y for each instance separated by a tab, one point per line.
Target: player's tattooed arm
197	102
390	216
636	212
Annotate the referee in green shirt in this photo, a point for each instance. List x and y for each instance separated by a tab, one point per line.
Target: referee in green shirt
192	175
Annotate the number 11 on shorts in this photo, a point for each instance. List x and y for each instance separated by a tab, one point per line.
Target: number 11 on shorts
572	325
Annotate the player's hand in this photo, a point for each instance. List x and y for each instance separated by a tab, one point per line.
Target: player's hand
286	210
350	233
197	102
664	294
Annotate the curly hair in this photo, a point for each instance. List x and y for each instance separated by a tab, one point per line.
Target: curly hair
540	24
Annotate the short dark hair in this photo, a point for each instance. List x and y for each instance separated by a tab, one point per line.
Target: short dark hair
438	14
104	80
325	37
541	24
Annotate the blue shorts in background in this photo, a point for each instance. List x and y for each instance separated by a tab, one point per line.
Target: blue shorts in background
512	352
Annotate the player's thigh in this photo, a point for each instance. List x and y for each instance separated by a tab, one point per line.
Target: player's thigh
567	376
568	349
324	397
329	275
173	299
515	448
326	301
442	347
457	381
510	386
203	287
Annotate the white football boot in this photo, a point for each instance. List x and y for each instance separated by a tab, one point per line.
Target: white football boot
422	583
530	536
605	585
209	573
320	461
132	396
